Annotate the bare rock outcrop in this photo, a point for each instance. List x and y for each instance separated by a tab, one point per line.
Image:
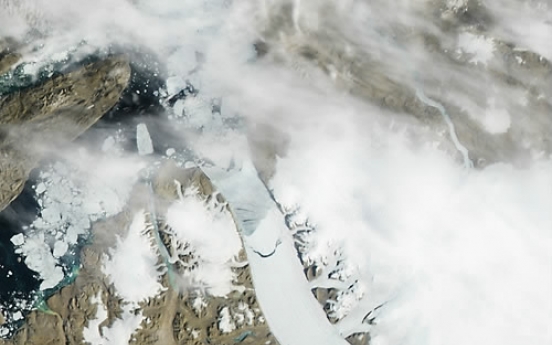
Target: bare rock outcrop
439	69
169	318
8	57
42	117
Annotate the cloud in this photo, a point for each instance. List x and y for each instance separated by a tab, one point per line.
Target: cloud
459	256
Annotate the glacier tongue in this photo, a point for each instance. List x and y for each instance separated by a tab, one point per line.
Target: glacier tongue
293	314
143	140
245	192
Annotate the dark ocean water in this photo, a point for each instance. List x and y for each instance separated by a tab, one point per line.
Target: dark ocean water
19	285
141	102
16	279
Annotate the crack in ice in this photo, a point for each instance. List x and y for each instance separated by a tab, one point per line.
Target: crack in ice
264	256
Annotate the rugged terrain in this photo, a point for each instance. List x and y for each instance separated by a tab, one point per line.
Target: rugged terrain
49	113
43	117
172	317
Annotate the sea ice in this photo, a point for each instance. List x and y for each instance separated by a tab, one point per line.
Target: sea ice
143	140
72	196
17	315
39	258
60	248
40	188
170	152
18	239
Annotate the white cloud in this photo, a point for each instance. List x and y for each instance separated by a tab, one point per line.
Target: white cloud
480	48
132	265
496	119
213	240
461	256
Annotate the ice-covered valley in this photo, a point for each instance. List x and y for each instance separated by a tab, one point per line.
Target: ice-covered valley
296	172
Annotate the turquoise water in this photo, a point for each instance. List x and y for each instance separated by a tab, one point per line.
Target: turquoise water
19	286
17	282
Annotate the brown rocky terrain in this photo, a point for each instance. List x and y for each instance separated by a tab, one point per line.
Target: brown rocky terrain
66	105
366	75
7	60
8	57
42	117
171	314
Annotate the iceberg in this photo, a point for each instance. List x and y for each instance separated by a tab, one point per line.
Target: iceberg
291	310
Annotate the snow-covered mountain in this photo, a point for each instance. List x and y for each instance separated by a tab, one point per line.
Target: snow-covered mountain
278	171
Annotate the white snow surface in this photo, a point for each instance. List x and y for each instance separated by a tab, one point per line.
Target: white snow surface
72	196
225	324
457	257
132	265
460	258
293	314
120	331
143	140
212	235
18	239
92	333
39	258
480	48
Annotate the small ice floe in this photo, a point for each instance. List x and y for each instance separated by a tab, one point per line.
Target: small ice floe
108	144
17	315
39	258
170	152
143	140
40	188
60	248
18	239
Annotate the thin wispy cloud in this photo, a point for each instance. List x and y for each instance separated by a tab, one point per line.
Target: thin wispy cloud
455	255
